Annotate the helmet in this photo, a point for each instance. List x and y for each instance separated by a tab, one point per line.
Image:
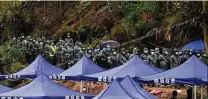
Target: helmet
198	54
157	50
176	53
166	52
104	49
175	49
90	51
204	54
108	46
180	53
145	50
135	50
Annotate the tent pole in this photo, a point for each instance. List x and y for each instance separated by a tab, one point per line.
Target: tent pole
87	87
81	86
194	91
201	92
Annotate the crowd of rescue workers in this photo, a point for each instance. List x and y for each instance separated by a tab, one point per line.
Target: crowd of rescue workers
65	51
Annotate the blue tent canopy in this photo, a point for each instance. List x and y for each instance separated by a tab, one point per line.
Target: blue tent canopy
195	46
135	89
38	66
43	88
114	91
4	89
2	76
134	68
84	66
193	71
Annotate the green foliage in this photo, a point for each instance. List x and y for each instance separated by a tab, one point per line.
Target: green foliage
198	93
134	9
118	29
15	83
83	27
14	19
10	55
95	42
15	67
132	12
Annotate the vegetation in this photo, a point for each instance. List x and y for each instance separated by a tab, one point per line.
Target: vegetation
93	22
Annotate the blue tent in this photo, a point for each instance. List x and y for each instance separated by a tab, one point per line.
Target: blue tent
115	91
2	76
135	89
38	66
193	71
195	46
43	88
84	66
4	89
134	68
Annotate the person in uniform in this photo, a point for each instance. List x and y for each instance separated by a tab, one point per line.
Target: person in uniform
69	40
151	57
41	46
135	52
14	40
114	58
36	46
167	57
184	57
69	53
160	59
122	58
144	55
89	53
174	60
204	58
104	58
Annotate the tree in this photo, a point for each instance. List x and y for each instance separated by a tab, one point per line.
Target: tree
205	27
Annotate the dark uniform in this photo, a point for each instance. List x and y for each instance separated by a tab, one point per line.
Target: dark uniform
135	52
174	60
151	58
144	55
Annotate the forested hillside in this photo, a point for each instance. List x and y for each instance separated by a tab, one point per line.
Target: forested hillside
94	21
172	24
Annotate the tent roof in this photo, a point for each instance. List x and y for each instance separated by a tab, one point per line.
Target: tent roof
135	89
195	46
114	91
192	71
4	89
40	87
84	66
134	68
39	65
2	76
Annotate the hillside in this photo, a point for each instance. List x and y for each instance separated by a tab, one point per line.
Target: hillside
97	21
172	24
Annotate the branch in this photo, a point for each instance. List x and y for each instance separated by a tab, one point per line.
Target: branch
149	34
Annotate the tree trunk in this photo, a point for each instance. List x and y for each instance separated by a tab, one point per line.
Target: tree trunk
205	28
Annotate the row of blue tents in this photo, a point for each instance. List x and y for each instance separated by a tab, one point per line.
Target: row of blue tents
86	67
193	71
44	88
122	86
